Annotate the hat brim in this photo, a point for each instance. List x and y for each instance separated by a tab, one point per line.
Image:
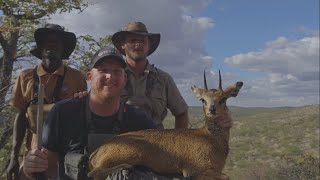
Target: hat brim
118	37
69	41
119	59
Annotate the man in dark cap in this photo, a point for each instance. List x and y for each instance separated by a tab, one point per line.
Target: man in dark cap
99	115
53	45
149	87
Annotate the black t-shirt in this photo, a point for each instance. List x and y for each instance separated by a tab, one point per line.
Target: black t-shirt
65	128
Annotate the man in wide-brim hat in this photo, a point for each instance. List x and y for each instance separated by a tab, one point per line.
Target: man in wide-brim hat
148	87
53	44
69	40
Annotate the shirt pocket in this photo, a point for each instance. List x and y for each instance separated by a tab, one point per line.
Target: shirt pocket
159	102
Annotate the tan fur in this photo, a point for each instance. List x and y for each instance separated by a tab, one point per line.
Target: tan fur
200	153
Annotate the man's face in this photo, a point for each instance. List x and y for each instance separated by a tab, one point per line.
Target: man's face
107	78
52	51
136	47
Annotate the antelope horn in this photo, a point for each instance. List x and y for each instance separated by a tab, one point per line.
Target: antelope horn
220	86
205	79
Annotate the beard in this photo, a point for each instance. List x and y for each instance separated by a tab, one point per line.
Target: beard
137	56
50	60
106	91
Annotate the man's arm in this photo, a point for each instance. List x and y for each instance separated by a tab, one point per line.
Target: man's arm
177	104
19	130
182	120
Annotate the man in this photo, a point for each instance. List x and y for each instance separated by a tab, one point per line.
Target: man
74	125
60	82
148	87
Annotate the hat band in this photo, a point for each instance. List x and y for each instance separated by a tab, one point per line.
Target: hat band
138	31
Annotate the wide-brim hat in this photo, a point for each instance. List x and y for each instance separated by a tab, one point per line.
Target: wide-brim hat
136	28
68	38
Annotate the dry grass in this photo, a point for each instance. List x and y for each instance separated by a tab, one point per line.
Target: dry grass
271	143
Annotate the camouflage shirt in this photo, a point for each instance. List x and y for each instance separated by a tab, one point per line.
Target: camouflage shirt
154	91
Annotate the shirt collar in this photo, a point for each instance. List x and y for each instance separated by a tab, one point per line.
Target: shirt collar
42	72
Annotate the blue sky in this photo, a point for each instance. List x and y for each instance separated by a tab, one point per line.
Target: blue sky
270	45
243	26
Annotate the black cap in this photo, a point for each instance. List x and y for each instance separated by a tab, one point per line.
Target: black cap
107	52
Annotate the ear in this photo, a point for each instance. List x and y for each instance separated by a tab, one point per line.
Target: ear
89	75
197	91
122	44
233	91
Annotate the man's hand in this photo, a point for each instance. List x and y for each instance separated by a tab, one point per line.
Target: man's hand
13	169
35	161
224	120
80	94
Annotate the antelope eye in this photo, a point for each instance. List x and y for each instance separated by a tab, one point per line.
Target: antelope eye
203	101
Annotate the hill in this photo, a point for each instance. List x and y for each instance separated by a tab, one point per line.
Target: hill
270	143
265	143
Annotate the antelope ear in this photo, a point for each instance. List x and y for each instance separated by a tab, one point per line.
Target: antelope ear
196	91
237	89
234	93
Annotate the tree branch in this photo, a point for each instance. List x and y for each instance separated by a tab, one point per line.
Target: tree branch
34	17
1	62
3	42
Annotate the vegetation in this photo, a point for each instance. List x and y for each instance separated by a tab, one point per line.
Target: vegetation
270	143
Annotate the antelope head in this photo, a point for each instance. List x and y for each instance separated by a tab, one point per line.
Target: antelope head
214	100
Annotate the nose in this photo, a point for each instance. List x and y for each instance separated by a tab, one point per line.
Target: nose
212	108
108	75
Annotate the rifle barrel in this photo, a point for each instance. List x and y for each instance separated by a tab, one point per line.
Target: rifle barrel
40	116
40	175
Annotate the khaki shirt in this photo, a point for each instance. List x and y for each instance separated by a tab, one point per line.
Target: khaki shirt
155	98
22	92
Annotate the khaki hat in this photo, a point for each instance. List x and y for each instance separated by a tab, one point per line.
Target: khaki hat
136	28
69	39
107	52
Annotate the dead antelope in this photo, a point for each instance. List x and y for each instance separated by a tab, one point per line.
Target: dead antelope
199	153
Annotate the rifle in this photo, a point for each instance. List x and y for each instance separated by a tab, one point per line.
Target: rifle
40	175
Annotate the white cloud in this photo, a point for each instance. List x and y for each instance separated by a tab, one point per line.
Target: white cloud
291	69
192	7
299	58
181	51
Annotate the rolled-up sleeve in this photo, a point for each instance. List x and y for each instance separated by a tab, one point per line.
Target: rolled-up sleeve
176	103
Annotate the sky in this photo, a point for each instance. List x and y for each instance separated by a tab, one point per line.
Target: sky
271	46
